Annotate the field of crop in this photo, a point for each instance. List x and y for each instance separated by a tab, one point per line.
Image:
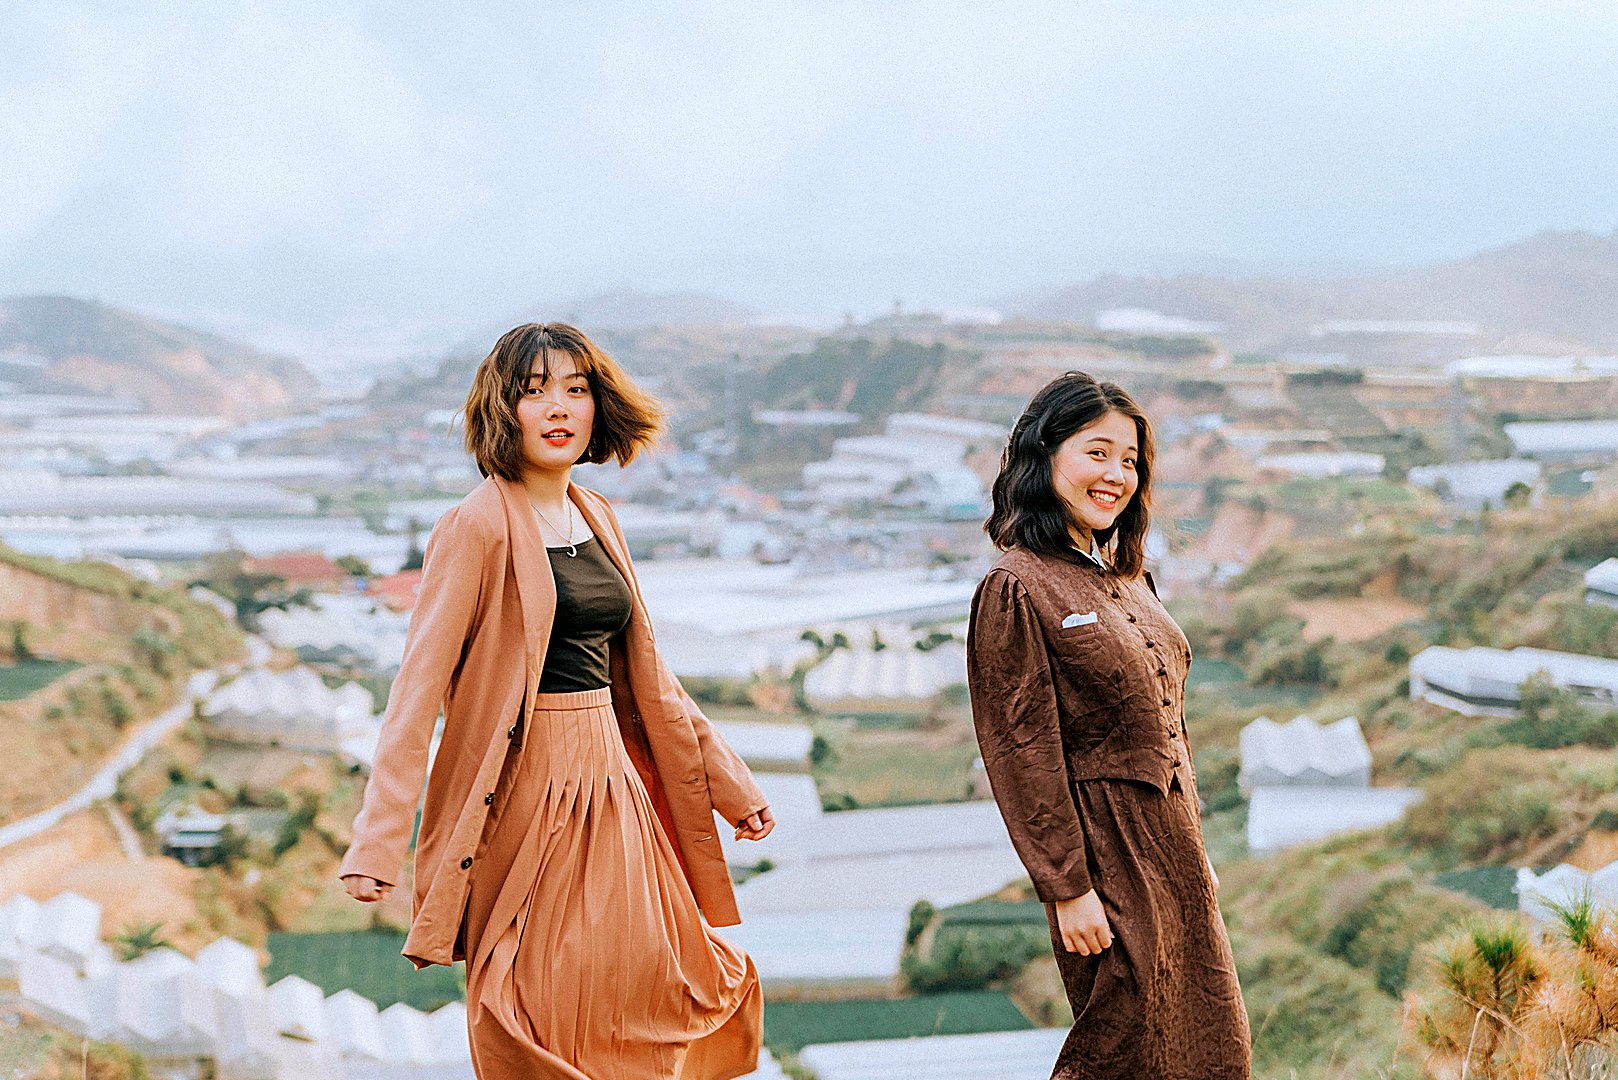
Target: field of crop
367	962
792	1025
19	680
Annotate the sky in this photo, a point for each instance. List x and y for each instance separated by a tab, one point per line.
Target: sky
361	167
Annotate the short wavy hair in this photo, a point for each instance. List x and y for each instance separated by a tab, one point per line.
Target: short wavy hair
627	419
1028	513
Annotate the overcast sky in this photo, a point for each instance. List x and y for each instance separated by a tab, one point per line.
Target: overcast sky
355	163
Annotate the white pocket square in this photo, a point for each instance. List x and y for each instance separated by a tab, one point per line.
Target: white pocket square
1078	619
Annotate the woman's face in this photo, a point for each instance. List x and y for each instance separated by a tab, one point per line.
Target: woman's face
557	415
1093	471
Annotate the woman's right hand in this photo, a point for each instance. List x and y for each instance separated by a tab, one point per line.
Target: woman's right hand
1083	925
366	890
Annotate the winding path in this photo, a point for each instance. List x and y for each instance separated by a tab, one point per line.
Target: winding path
105	782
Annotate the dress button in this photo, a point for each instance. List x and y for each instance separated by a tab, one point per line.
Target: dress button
1115	594
1162	671
488	800
1131	618
511	732
1165	703
466	862
1150	644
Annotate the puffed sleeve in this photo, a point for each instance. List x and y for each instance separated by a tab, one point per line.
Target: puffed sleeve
452	574
1019	735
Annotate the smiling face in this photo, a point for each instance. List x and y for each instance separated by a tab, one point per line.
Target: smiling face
1093	473
557	414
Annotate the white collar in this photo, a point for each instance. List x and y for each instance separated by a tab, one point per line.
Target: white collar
1094	554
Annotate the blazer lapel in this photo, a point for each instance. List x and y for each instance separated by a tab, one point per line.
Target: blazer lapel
531	566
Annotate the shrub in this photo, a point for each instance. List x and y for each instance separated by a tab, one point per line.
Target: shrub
1549	717
971	957
1489	807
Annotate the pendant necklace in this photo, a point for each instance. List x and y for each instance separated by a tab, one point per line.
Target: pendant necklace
572	548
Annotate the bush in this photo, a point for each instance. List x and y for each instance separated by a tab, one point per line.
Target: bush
1549	717
1305	1008
971	957
1488	808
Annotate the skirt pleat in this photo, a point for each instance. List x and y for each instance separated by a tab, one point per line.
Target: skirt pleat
587	958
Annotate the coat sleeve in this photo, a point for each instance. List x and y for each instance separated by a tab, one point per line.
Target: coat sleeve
452	573
731	787
1019	734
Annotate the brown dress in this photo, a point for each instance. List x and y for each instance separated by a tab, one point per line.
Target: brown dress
1078	681
587	957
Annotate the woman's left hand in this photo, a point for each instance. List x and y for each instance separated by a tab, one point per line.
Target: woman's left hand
756	826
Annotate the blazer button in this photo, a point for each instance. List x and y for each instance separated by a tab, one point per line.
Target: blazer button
1150	644
488	800
466	862
1162	671
1165	703
511	732
1115	594
1131	618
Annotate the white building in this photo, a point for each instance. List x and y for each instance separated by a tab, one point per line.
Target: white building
1302	753
1323	465
1538	895
174	1010
1284	816
756	622
833	911
918	461
1480	681
1601	583
897	674
995	1055
339	625
1564	440
1476	484
290	708
769	748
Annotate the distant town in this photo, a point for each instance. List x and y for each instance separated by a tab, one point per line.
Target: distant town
1392	541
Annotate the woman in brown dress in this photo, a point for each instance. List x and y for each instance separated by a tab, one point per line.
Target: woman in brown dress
1077	676
569	857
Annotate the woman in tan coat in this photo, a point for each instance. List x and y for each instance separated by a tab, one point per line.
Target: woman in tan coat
1077	676
567	849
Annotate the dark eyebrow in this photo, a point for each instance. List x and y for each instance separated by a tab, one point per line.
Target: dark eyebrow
1109	440
532	375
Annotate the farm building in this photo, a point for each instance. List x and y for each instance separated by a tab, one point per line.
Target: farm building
1304	753
1601	583
1480	681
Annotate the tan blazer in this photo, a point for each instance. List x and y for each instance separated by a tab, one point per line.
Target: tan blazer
476	646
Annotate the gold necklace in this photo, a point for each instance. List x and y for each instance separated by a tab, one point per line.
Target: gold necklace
572	548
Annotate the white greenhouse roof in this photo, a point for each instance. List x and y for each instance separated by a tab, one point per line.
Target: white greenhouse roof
1539	895
1301	748
1283	817
998	1055
1563	438
768	746
896	673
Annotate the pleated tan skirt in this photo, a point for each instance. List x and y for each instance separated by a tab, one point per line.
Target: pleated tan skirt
587	958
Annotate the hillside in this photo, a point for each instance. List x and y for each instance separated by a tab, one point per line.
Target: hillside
1333	938
88	652
1558	285
94	348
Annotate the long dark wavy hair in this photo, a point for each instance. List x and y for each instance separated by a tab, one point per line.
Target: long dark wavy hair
1028	512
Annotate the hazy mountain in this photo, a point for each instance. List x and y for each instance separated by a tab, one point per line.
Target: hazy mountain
176	369
1556	284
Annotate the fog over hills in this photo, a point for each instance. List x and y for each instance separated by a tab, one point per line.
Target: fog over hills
1557	284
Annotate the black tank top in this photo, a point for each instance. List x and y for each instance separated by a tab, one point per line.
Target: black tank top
592	604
